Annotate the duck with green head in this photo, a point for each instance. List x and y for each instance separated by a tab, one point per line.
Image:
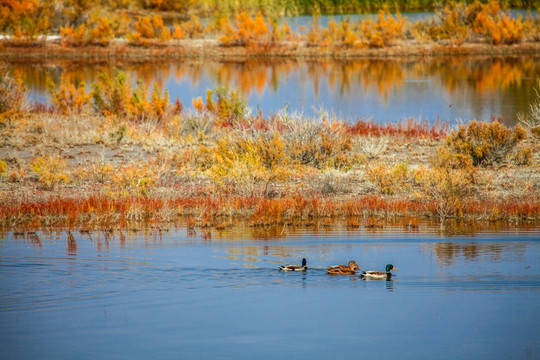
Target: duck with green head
379	274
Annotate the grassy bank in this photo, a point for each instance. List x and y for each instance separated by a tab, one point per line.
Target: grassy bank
118	155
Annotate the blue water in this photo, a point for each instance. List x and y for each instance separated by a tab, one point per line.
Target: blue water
172	296
452	90
297	23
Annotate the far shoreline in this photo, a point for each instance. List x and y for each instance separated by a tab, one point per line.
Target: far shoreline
51	49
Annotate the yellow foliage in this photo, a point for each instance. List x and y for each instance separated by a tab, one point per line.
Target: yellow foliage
384	30
449	187
226	105
198	104
499	29
337	35
247	32
115	96
279	33
149	30
458	22
72	36
249	160
98	30
3	168
390	180
134	179
178	33
12	96
50	169
68	98
102	32
28	31
112	95
484	143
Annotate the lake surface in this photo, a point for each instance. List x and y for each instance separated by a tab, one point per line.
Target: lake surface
305	22
218	294
386	90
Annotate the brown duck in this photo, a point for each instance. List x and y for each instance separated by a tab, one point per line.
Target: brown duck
349	269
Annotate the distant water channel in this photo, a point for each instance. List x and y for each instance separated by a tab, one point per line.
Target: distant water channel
180	294
450	89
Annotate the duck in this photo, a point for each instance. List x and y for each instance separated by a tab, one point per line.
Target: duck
379	274
289	267
349	269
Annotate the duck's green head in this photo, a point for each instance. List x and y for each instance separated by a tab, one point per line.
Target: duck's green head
304	262
390	267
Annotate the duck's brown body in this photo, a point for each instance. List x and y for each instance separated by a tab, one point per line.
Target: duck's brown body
349	269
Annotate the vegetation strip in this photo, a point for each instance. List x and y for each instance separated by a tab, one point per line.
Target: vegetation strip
457	28
119	154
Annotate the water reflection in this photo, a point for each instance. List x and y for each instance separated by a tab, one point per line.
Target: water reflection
385	89
251	247
71	244
448	253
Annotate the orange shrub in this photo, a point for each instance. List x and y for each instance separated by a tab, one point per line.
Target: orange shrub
382	31
73	36
246	32
190	29
484	143
51	170
500	29
149	31
69	98
12	96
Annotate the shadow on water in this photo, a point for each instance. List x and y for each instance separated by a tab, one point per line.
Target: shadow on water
383	89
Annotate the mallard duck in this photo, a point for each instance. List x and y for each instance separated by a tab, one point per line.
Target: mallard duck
349	269
379	274
294	267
